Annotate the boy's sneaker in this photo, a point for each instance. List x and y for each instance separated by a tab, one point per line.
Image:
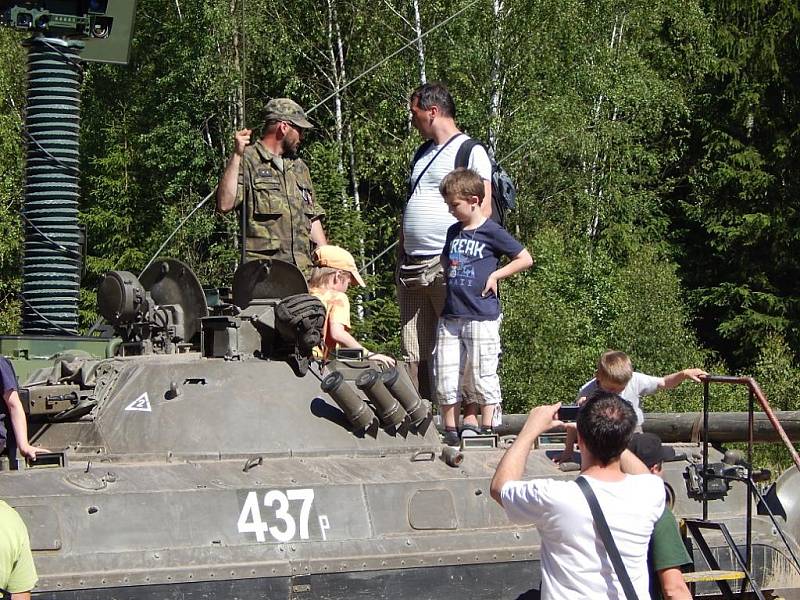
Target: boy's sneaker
450	438
487	430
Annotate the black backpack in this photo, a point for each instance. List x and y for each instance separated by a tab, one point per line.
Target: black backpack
504	192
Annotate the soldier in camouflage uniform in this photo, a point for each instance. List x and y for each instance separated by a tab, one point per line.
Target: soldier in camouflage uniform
283	216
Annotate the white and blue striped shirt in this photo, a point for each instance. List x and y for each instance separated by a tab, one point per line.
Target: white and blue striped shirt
426	217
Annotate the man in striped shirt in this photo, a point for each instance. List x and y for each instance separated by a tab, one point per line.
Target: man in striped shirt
426	218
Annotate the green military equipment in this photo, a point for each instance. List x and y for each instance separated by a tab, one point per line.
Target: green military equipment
112	34
195	452
104	26
195	460
61	29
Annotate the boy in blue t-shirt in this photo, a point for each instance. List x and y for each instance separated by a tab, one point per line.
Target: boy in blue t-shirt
468	334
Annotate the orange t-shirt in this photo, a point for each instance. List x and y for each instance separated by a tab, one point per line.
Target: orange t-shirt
337	309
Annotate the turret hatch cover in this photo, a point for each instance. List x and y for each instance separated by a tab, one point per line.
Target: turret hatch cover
171	281
266	279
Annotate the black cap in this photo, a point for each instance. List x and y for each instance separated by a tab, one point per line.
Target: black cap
649	449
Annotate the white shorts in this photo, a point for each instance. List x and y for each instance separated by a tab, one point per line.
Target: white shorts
465	361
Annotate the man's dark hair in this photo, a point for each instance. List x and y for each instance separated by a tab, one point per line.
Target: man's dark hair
434	94
606	423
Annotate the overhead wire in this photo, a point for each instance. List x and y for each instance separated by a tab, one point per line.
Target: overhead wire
174	231
208	196
393	54
50	240
49	155
336	92
317	105
43	317
76	64
71	60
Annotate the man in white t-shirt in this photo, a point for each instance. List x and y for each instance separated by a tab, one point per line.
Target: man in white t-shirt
426	218
574	561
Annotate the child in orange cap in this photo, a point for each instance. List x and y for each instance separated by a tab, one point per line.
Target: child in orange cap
334	270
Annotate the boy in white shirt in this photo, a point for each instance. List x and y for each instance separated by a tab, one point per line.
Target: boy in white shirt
615	374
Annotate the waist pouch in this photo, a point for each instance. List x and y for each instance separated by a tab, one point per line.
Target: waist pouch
420	272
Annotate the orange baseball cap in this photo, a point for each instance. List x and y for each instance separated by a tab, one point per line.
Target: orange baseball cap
338	258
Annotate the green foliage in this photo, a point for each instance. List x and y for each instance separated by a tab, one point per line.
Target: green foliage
654	146
738	226
12	99
576	304
777	373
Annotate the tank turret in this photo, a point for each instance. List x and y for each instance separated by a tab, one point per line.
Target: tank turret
162	315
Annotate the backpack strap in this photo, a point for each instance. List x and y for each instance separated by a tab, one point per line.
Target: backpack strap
418	154
462	160
608	541
420	151
464	152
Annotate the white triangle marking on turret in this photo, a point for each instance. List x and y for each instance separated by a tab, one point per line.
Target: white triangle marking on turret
142	403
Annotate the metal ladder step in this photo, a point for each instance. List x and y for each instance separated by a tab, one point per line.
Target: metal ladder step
696	528
698	576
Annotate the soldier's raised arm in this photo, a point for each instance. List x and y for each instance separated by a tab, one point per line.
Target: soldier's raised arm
226	189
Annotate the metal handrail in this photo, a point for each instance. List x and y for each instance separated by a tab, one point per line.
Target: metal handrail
755	389
754	392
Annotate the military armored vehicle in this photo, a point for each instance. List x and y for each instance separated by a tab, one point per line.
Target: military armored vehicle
208	456
199	451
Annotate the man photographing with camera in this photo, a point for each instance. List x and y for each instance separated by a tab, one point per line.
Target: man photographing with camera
575	562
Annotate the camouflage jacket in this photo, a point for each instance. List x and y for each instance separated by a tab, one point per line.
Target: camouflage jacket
280	207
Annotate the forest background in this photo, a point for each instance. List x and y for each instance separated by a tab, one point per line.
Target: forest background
654	146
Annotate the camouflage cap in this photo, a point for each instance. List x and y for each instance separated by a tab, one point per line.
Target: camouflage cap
285	109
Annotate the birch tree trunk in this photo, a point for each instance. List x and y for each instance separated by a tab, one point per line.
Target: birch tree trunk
420	42
336	81
595	186
237	92
497	78
352	164
336	49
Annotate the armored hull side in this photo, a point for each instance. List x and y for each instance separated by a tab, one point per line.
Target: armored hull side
196	478
121	525
207	475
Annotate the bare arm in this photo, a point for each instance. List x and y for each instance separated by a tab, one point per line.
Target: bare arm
486	203
630	464
673	380
673	587
519	263
341	336
21	596
20	425
318	233
226	189
512	465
